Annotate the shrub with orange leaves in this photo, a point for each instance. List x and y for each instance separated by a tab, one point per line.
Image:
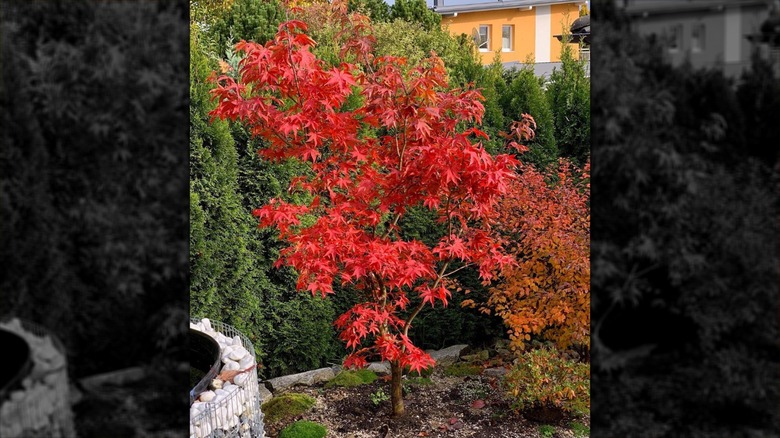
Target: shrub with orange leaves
546	219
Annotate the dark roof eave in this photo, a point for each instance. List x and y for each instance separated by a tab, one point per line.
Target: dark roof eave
576	38
667	8
511	4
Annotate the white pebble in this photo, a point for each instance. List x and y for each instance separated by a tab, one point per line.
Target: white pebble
241	379
246	361
238	353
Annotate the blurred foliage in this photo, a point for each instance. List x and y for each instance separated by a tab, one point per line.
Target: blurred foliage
94	176
684	228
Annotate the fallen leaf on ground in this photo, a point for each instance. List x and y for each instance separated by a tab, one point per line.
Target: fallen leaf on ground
478	404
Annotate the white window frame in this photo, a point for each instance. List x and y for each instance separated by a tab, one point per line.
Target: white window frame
698	42
485	43
511	47
585	53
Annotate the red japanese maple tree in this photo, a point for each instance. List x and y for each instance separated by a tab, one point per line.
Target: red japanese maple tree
399	147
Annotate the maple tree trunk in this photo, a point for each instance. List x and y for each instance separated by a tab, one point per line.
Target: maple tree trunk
396	390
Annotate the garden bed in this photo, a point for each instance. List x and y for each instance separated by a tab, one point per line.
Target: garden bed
441	406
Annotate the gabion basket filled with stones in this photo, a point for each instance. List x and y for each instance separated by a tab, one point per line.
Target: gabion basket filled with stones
225	397
34	396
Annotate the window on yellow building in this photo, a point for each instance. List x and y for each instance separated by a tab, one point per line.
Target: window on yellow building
482	38
506	37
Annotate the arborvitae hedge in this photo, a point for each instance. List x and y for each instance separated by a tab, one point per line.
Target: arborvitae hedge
232	277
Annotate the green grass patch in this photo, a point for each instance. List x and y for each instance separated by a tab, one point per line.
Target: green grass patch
352	378
419	381
580	430
462	369
546	431
304	429
286	406
424	373
479	356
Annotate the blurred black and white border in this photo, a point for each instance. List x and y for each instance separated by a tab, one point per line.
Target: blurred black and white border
94	213
685	140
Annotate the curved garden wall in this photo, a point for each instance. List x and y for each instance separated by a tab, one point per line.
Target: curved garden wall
35	401
230	407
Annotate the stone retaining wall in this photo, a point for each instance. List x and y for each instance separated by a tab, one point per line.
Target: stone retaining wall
42	406
231	408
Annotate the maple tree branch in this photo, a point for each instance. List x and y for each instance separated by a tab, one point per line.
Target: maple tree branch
419	307
462	267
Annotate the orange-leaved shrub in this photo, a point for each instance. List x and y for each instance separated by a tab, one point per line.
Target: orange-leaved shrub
545	378
546	293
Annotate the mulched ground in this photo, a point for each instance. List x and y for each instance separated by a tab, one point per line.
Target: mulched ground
444	408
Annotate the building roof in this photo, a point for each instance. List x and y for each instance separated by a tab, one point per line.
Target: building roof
644	8
497	5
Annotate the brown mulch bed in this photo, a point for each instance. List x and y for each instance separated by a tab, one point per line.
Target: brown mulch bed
442	408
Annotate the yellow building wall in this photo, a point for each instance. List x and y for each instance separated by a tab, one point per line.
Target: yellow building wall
558	19
523	43
524	35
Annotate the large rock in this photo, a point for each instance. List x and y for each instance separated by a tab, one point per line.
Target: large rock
447	356
307	378
265	394
379	367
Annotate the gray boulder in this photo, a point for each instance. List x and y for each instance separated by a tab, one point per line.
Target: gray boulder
447	356
379	367
265	394
307	378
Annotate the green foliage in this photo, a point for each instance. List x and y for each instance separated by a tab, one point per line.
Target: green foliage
232	278
462	369
491	82
415	11
349	378
377	10
423	374
547	431
580	430
286	406
419	381
479	356
203	13
251	20
544	378
414	42
524	94
568	94
304	429
378	397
